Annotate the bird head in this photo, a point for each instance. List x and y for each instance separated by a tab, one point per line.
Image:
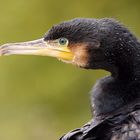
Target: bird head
87	43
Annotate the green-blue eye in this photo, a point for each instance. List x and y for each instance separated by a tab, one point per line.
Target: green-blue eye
63	41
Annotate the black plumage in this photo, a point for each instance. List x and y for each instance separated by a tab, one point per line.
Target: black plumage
115	98
97	44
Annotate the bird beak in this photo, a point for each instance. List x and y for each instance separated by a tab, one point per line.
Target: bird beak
37	47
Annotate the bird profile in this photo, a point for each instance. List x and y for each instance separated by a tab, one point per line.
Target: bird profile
97	44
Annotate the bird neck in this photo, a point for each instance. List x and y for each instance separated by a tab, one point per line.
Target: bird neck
128	67
122	87
110	94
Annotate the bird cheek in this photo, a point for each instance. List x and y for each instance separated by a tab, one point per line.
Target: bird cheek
80	56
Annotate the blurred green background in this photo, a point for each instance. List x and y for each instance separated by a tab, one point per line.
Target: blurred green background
42	98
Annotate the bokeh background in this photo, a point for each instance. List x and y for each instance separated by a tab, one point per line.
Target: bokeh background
42	98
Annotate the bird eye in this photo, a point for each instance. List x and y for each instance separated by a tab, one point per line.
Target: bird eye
63	41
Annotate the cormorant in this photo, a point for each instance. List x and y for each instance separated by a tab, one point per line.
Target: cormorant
97	44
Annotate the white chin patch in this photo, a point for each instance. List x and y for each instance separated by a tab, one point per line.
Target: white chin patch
66	61
75	61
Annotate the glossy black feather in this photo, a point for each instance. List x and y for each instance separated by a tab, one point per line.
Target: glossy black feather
123	124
